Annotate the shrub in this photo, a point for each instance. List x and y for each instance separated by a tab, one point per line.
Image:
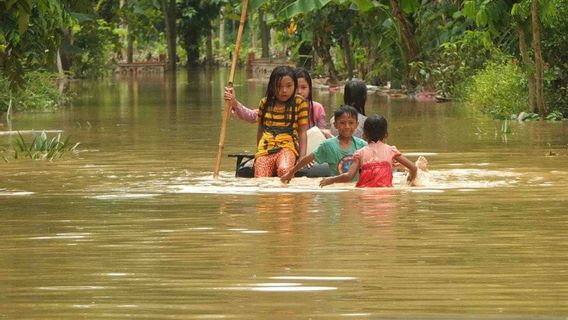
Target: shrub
500	89
93	50
40	93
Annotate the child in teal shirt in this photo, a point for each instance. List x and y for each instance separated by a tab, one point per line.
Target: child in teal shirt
338	151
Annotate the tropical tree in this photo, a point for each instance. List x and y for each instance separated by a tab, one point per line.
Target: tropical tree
30	33
170	15
528	14
196	17
538	60
555	51
330	23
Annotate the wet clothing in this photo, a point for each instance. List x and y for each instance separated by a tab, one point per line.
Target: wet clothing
376	161
339	159
316	114
274	164
280	124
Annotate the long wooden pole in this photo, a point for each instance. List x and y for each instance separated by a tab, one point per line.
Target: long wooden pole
227	109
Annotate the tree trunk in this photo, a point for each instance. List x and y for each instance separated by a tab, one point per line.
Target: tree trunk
527	62
264	34
252	33
59	64
538	60
123	25
323	53
348	53
209	48
410	48
222	30
130	47
169	8
192	55
66	57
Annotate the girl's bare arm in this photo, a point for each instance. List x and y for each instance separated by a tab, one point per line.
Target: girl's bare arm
299	165
410	166
303	137
344	177
259	133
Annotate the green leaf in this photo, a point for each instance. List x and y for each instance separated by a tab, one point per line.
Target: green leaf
23	23
481	18
9	4
26	5
409	6
469	9
82	17
364	5
255	4
302	6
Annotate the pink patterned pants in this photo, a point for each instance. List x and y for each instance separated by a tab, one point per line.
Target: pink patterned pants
276	163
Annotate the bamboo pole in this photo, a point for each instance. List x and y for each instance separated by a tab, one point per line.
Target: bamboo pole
227	108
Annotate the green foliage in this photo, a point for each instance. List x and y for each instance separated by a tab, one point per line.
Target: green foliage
195	22
500	89
454	62
30	32
491	15
438	23
555	50
92	50
555	116
40	148
39	93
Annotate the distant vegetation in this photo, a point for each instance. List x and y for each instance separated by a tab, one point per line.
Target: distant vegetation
450	47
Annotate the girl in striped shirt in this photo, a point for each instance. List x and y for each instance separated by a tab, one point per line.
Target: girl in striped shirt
282	125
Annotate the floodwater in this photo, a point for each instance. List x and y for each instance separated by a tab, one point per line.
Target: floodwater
135	227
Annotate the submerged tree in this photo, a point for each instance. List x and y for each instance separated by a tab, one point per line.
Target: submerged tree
170	14
538	60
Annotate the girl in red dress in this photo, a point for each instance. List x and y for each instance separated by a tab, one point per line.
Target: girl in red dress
375	160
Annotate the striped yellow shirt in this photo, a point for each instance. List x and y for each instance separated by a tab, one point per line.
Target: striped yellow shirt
280	125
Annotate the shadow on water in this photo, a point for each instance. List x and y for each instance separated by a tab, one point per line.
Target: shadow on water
135	226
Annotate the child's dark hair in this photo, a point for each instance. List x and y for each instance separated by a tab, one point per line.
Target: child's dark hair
345	109
303	73
375	128
275	77
355	95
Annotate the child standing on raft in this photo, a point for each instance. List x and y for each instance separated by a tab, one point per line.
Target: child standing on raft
336	152
282	125
375	160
